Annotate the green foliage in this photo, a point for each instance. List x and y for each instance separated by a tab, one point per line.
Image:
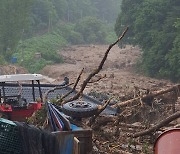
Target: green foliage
47	45
2	60
75	38
86	30
60	6
107	10
47	25
111	37
43	17
14	19
127	17
68	32
154	27
110	33
91	29
72	10
173	57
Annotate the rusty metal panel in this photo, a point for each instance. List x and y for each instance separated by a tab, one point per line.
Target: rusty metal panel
168	142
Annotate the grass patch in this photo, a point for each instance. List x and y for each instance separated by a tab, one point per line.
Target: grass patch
47	45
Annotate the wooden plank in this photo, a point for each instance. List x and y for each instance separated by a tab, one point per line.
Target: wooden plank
76	146
84	136
66	142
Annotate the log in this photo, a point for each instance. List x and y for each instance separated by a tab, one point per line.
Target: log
144	98
158	126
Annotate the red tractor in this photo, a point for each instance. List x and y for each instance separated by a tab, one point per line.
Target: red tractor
13	104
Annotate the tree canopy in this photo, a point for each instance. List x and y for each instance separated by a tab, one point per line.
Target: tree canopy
154	26
30	26
14	19
46	13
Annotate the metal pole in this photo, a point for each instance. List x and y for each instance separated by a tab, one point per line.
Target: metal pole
33	92
4	95
40	92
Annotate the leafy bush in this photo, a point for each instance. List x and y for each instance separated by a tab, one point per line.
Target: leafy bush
69	33
87	30
91	30
75	38
109	33
38	65
47	45
2	60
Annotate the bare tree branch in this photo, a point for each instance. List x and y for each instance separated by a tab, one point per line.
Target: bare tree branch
100	109
158	126
146	97
96	71
45	97
74	87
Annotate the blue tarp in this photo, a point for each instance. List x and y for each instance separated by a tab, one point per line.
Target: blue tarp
59	122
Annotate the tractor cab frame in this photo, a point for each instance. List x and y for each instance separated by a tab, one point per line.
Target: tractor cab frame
12	104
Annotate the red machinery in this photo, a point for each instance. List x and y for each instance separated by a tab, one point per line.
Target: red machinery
14	106
19	113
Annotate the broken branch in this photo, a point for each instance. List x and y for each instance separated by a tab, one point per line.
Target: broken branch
100	109
52	90
74	87
96	71
147	97
158	126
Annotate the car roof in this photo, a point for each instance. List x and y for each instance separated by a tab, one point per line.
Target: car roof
20	77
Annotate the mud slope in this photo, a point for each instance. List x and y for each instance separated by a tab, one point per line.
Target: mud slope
119	69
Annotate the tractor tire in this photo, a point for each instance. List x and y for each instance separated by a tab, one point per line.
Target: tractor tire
80	109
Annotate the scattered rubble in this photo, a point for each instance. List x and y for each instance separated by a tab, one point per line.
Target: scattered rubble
114	134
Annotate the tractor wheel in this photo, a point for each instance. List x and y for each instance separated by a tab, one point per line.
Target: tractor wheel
80	109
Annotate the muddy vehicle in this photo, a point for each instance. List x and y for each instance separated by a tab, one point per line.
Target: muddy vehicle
13	105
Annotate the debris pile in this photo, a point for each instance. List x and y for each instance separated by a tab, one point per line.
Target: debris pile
142	115
138	123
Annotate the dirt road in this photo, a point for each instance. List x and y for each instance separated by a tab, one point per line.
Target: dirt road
119	69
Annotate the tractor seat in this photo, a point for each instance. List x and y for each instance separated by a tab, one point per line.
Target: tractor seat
11	101
17	103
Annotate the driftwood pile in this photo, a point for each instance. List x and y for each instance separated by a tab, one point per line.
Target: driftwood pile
135	129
